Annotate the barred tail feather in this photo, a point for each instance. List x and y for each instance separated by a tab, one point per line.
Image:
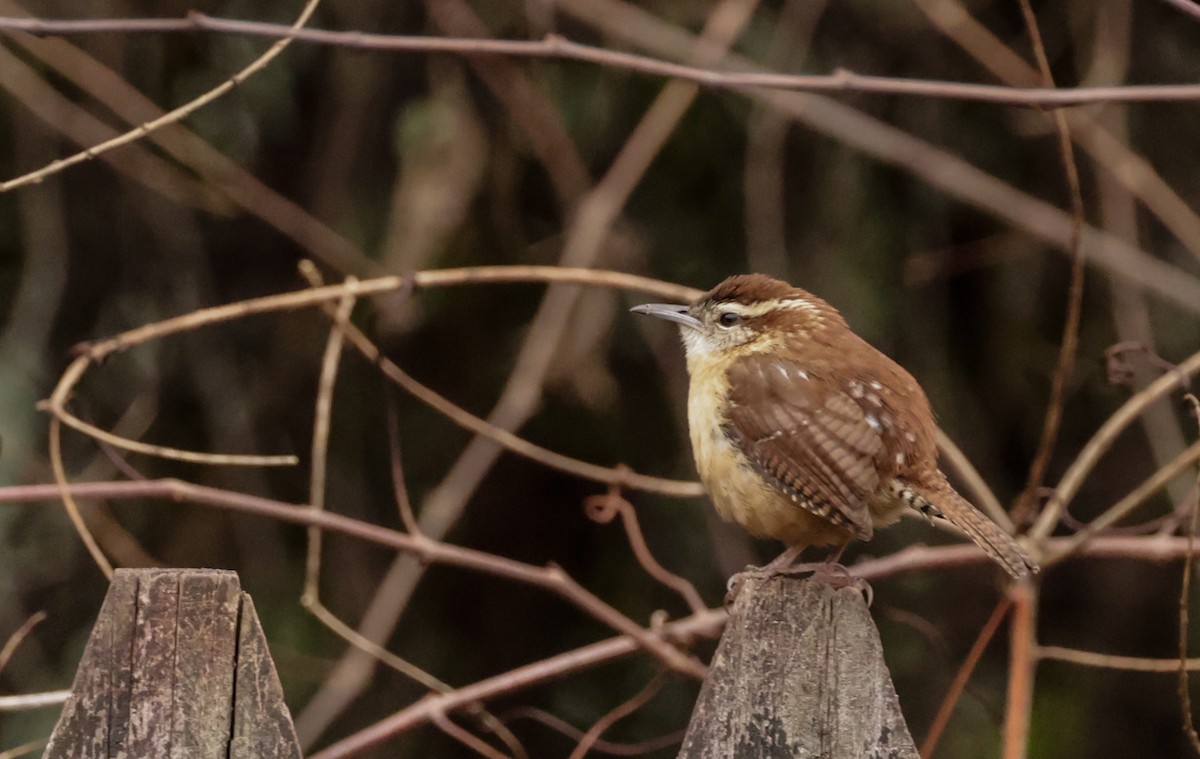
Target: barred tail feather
948	505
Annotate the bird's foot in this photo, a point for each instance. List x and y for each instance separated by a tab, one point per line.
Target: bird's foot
837	576
827	572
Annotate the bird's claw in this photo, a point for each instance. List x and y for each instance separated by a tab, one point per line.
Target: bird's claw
829	573
837	576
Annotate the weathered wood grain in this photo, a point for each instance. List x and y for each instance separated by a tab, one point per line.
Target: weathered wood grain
262	725
177	666
799	673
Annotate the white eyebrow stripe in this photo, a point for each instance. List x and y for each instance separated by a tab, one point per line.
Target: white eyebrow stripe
767	306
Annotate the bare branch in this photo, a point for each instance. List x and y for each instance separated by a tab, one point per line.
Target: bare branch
96	352
549	578
981	493
602	508
14	640
707	624
23	749
174	116
954	692
386	657
1150	548
558	47
557	724
64	493
1187	6
1131	170
1104	437
1185	691
320	442
1070	331
27	701
637	701
1138	496
1113	661
448	727
1021	669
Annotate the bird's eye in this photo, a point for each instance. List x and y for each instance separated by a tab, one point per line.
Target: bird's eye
728	319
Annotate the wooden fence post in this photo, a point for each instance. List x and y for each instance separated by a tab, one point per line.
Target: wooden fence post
176	666
799	673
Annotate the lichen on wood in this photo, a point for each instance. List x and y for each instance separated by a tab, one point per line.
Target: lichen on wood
799	673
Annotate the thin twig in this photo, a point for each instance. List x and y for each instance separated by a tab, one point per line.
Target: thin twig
1100	442
311	599
27	701
954	692
550	578
172	117
56	406
943	171
981	494
26	82
556	46
312	296
1070	333
1187	6
96	352
1113	661
68	502
1136	497
1136	174
1022	668
542	717
408	669
14	640
399	488
113	539
1167	523
707	624
602	509
322	415
1185	691
637	701
447	726
167	452
310	272
215	169
311	596
23	749
351	636
1149	548
513	442
554	578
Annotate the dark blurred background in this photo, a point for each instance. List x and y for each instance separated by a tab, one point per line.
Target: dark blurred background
375	162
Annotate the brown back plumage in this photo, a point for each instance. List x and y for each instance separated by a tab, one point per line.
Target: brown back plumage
814	445
805	432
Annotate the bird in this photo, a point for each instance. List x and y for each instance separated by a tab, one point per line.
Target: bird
804	432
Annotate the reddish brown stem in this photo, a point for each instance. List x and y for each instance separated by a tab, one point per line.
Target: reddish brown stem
946	710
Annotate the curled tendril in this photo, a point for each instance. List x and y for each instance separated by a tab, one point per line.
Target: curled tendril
603	508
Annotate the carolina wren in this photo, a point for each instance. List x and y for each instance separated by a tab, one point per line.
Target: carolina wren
804	432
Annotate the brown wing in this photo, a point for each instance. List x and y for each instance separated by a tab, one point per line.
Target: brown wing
806	435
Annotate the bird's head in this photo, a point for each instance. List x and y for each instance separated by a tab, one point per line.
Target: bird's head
745	313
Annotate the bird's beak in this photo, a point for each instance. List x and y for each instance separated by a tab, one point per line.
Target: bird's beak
670	312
